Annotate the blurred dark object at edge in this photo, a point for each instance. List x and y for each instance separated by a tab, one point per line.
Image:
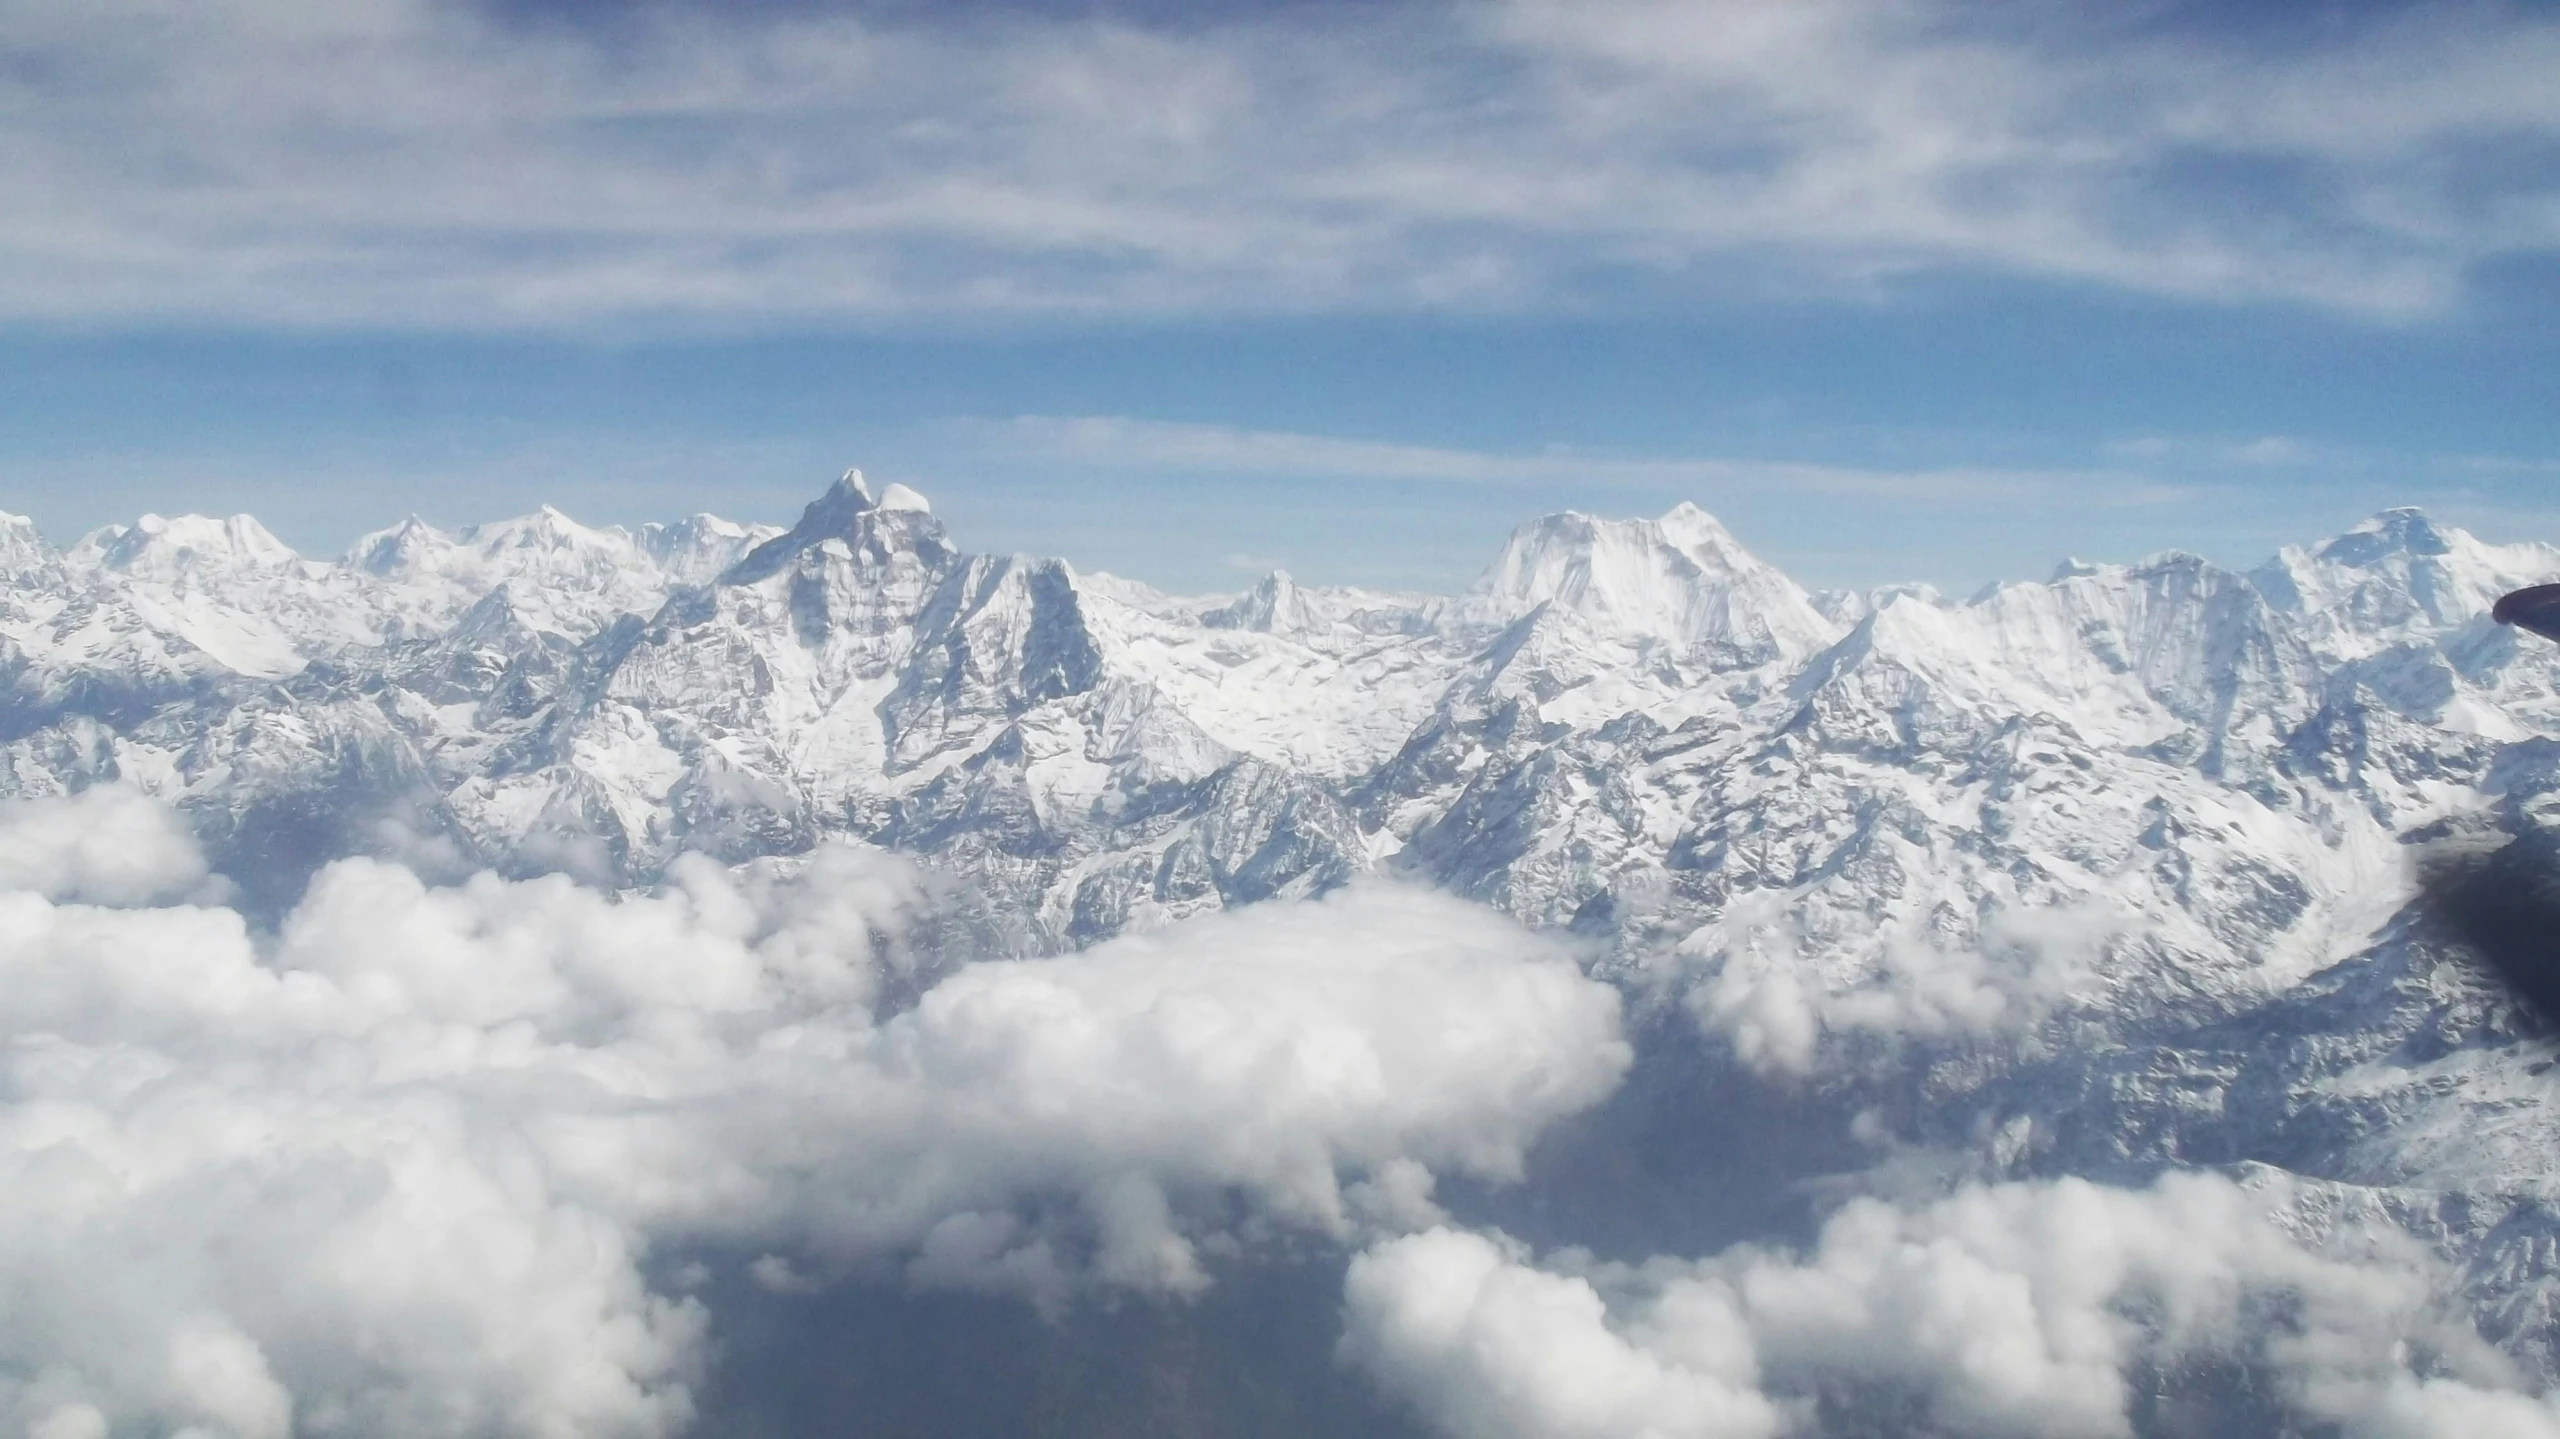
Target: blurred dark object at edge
2536	609
2504	906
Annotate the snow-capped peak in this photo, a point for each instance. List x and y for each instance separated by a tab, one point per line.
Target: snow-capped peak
1274	606
22	546
545	529
544	544
493	616
2397	576
574	577
398	550
1682	578
699	548
165	548
2401	531
1703	538
845	512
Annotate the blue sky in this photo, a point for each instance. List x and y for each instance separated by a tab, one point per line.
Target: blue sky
1899	289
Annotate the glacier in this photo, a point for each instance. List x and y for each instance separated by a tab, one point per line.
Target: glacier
2102	876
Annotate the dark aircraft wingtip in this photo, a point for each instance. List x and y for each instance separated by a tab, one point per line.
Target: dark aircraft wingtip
2536	609
2504	908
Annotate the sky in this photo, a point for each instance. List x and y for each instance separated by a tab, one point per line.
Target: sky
1898	289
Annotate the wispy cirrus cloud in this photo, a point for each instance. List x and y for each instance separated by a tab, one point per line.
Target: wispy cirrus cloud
2270	452
420	164
1126	444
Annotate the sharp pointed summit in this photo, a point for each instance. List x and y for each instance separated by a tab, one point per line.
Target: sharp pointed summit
1274	606
398	550
899	519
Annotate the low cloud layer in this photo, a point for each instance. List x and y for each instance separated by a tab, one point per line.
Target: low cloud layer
398	1168
109	845
1790	1000
462	1158
2027	1310
535	166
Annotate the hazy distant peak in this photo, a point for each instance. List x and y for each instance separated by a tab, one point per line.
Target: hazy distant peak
1275	605
161	545
2402	531
1681	578
22	545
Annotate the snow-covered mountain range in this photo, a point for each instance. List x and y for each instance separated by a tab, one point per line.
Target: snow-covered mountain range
2097	875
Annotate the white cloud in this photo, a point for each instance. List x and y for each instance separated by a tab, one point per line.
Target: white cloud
1758	978
105	845
2021	1310
412	162
2265	452
1487	1344
1122	443
394	1170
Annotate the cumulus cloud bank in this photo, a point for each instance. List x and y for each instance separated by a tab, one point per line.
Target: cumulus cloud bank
396	1168
108	845
1787	989
402	1167
446	164
2029	1310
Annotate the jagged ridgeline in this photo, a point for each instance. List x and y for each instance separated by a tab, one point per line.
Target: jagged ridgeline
2095	875
1622	721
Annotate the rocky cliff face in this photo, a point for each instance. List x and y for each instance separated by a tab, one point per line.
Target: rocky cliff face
2097	875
